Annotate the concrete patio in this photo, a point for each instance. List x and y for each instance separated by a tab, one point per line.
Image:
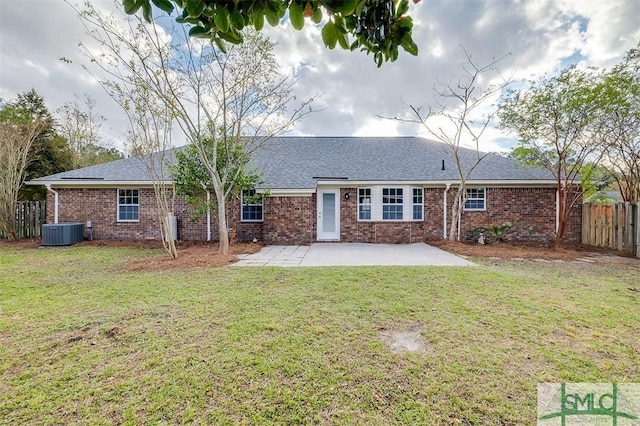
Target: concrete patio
352	254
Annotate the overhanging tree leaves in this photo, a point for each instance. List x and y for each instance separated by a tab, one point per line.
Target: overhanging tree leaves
558	121
377	27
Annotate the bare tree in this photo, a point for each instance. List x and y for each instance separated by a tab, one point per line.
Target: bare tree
460	116
220	101
621	124
80	124
17	136
150	135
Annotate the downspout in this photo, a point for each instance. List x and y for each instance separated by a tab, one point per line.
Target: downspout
208	216
557	211
55	202
444	228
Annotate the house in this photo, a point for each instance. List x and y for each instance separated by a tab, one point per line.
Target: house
350	189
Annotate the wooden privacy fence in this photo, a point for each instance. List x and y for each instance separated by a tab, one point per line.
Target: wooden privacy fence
30	216
616	226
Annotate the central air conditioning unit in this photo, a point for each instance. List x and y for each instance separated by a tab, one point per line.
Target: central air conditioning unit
62	234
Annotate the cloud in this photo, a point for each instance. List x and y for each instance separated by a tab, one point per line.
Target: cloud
541	36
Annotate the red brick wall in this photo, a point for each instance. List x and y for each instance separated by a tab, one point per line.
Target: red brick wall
100	207
242	231
289	220
292	220
354	231
534	209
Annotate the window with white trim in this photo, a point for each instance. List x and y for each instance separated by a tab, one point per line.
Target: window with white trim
128	205
252	206
392	204
418	204
364	203
476	199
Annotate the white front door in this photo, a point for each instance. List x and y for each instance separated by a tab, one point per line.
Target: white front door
328	214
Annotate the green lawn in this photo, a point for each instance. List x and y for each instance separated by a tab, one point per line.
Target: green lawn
82	340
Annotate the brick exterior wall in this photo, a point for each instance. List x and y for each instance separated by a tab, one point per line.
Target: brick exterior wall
99	205
292	220
533	209
354	231
289	220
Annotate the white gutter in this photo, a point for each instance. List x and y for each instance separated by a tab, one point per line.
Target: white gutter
55	202
444	228
208	216
429	183
97	183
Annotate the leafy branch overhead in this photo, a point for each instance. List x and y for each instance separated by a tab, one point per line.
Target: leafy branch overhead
379	27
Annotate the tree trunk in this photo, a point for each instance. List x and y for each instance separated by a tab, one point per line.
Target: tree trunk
223	230
455	215
562	218
8	222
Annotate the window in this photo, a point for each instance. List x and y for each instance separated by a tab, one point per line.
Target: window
392	204
128	205
418	206
476	198
364	204
252	210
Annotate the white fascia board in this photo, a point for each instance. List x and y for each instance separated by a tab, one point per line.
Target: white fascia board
444	183
94	183
512	183
352	183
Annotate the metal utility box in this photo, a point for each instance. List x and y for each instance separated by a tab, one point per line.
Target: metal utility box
62	234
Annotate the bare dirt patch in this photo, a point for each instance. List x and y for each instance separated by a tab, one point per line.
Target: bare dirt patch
522	251
21	244
401	341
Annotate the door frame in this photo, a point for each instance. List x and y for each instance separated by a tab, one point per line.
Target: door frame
320	234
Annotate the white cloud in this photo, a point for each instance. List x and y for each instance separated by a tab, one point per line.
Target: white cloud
542	36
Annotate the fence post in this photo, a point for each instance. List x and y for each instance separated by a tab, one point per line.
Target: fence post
637	230
586	222
619	227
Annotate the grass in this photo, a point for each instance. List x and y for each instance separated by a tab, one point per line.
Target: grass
82	340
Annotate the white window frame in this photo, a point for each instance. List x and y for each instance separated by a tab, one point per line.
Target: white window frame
242	206
414	204
370	204
395	196
476	198
127	204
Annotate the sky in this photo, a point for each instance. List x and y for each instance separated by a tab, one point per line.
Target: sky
539	37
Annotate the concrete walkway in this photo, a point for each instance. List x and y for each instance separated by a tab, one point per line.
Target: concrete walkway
352	254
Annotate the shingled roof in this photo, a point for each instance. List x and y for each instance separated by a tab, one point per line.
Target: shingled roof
300	162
